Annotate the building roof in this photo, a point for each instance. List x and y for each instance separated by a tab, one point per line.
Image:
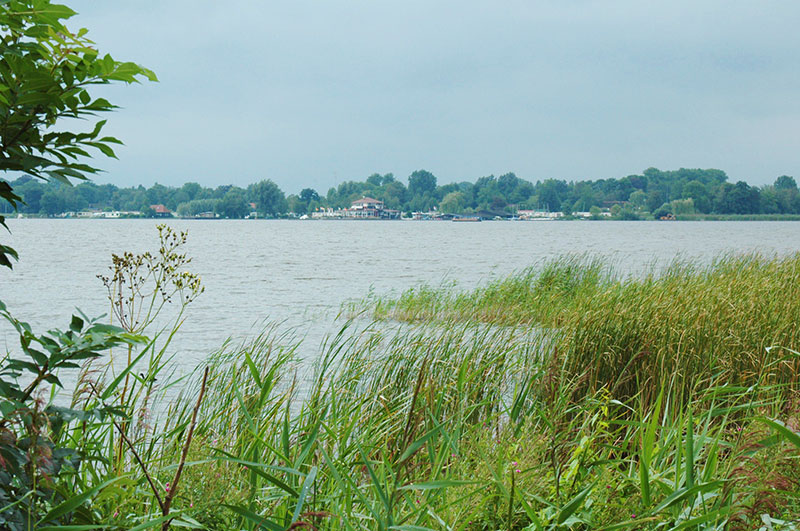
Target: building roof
366	201
160	209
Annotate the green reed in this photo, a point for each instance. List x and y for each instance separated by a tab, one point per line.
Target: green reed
565	397
468	427
733	319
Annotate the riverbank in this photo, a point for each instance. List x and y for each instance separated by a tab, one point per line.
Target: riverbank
461	217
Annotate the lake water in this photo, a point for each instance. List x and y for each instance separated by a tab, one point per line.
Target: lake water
299	273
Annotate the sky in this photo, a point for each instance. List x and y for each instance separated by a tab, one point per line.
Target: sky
313	93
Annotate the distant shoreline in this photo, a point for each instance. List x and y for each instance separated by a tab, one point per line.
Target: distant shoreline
704	217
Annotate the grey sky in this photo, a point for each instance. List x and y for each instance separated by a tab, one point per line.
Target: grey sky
314	93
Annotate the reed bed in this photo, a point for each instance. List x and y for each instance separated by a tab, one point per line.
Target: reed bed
566	397
736	320
468	427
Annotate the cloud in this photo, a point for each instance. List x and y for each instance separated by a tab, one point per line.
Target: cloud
312	93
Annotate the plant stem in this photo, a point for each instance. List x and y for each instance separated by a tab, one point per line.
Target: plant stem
174	487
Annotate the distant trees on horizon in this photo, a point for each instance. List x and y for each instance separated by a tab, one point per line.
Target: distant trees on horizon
653	192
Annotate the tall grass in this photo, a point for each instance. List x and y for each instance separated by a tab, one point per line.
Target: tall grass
467	427
735	320
534	295
566	397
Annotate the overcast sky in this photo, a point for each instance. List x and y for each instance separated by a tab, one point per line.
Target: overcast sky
313	93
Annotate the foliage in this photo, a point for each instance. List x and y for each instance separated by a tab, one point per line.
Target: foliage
269	199
68	465
708	195
46	73
452	203
565	397
715	320
37	469
467	425
140	285
196	207
421	182
233	205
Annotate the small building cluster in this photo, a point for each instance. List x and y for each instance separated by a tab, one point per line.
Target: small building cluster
538	215
364	208
161	211
95	214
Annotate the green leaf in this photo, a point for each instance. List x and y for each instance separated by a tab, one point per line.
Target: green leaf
156	521
439	484
683	493
695	523
416	445
252	517
187	522
303	492
104	149
252	368
346	481
76	325
690	451
375	481
97	128
20	364
311	438
781	428
74	502
113	386
72	527
38	356
256	467
648	443
55	13
573	505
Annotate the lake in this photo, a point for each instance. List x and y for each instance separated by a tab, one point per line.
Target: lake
299	273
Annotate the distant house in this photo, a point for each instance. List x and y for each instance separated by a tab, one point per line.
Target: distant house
161	211
370	208
253	211
367	203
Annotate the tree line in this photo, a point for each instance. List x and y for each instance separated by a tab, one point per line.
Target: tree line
653	193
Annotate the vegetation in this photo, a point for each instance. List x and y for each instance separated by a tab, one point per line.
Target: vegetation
566	397
738	217
594	402
685	194
46	73
668	328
